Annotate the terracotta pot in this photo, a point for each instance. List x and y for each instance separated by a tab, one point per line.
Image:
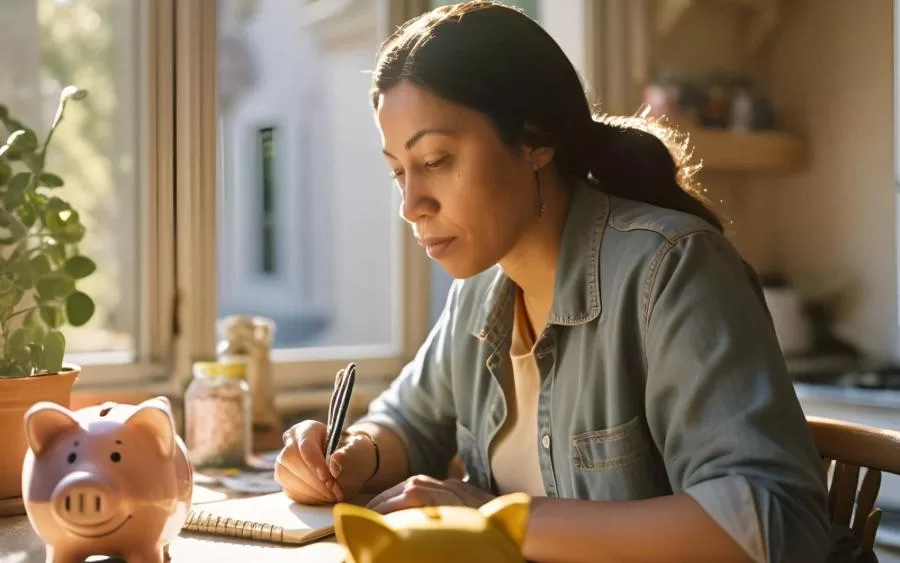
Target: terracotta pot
17	394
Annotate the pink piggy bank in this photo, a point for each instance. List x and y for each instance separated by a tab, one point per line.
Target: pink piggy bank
105	480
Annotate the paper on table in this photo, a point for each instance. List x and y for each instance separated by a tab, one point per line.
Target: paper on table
270	518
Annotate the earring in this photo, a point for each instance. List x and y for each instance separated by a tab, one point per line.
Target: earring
540	197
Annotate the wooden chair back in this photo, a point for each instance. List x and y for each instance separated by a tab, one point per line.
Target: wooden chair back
846	448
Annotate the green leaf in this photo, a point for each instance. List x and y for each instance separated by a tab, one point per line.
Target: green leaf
11	229
54	221
64	223
52	315
23	140
51	180
15	191
54	350
16	344
33	325
41	264
24	275
27	215
55	287
5	172
20	181
13	199
58	204
80	267
46	287
4	113
71	235
17	338
79	308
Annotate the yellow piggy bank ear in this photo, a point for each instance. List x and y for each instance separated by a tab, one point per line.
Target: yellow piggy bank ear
364	532
509	513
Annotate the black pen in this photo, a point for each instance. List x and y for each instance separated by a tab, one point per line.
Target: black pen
340	401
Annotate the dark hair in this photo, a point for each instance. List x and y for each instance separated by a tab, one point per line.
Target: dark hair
498	61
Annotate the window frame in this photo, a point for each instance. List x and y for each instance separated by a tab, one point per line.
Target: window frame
149	364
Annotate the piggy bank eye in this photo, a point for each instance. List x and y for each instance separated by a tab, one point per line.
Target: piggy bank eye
116	457
72	457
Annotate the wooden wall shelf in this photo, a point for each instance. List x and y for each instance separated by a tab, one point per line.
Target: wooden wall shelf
758	151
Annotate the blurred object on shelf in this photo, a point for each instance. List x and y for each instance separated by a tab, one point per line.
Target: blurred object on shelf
720	100
787	308
803	322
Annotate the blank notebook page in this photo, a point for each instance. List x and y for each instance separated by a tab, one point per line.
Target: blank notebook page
250	526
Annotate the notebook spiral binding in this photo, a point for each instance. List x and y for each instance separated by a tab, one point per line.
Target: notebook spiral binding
206	523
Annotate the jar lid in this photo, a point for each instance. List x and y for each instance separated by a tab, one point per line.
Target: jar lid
219	369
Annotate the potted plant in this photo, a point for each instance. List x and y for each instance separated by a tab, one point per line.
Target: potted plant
40	265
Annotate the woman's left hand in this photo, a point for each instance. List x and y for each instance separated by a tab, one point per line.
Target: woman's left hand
422	490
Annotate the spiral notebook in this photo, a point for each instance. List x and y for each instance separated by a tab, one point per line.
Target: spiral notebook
271	518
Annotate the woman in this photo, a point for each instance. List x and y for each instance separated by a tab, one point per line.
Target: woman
603	347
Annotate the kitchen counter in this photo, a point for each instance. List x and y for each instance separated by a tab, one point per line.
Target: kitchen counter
815	393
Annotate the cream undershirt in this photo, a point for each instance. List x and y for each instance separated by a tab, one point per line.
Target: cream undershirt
514	450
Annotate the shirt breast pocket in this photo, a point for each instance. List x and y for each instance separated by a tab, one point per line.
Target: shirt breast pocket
615	463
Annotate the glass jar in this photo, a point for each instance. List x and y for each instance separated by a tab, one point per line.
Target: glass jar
217	415
248	340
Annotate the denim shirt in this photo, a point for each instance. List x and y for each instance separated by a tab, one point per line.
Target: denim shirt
660	373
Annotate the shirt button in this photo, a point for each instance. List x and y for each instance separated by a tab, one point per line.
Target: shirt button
545	441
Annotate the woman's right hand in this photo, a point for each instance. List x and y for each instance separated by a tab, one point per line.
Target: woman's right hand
301	470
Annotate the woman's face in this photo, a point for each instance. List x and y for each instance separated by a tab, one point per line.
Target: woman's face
468	196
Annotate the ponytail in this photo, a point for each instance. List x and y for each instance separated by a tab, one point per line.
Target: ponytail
639	159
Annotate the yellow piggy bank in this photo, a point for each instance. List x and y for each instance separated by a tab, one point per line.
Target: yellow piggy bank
437	534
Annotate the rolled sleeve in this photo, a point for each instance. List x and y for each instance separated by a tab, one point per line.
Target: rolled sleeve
418	405
721	406
730	502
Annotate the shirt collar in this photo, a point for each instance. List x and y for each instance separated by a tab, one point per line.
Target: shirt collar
576	295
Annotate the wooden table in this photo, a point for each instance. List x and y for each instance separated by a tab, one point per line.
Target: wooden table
19	543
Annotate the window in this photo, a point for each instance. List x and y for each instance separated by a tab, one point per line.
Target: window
308	232
99	150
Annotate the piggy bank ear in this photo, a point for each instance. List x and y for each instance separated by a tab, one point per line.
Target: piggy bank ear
362	531
155	417
44	421
509	513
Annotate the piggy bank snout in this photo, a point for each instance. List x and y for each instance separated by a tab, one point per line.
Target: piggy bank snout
82	499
